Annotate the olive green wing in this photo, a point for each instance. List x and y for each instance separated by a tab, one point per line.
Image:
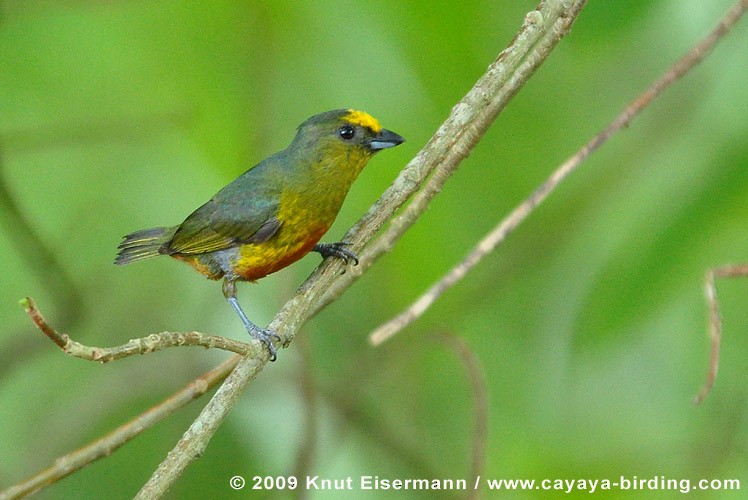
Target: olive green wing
222	224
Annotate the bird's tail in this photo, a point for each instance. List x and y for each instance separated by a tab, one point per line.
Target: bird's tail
143	244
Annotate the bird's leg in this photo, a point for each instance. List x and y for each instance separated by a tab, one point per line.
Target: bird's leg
264	336
336	250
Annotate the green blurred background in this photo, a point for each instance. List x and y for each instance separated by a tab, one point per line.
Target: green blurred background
589	323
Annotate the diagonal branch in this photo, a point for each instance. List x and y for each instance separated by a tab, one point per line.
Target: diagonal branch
105	446
494	238
470	118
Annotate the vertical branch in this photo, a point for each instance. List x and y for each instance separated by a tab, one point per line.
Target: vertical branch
715	322
477	380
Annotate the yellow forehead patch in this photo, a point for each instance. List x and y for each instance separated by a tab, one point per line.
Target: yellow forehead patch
363	119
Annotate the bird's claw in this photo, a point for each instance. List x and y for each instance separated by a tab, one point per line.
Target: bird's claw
266	337
337	250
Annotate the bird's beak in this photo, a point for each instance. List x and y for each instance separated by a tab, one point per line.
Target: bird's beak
385	139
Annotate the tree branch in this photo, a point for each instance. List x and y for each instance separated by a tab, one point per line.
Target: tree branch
496	236
715	322
104	446
479	389
151	343
67	464
458	135
452	142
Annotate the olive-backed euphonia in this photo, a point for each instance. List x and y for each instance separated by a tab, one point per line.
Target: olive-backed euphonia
275	212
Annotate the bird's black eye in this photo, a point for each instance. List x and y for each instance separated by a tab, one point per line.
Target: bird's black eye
346	132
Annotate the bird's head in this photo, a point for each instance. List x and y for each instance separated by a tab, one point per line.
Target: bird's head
344	131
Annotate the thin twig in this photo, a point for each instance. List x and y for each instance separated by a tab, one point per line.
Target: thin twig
548	21
715	321
479	389
105	446
151	343
520	213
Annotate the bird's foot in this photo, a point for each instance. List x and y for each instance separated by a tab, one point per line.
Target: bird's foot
266	337
337	250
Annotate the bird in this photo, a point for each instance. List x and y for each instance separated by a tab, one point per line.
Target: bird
274	213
